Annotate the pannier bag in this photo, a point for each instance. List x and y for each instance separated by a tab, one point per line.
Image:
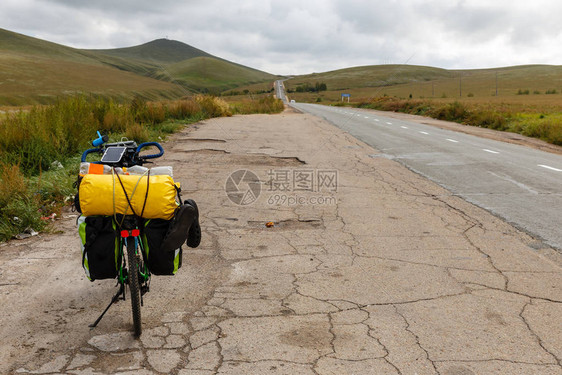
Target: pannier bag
159	262
100	246
152	197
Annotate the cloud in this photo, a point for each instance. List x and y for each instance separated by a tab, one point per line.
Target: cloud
296	37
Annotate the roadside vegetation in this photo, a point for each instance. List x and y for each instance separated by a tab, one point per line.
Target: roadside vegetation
544	123
519	99
40	146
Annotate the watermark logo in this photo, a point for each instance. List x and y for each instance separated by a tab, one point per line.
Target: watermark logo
243	187
294	180
284	187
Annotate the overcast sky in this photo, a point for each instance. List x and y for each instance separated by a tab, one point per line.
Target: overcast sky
304	36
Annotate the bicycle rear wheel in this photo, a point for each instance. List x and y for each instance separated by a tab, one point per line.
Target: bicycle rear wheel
134	285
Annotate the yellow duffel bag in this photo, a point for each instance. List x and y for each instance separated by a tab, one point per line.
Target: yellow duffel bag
102	194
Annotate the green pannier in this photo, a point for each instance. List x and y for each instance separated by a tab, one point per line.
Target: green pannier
159	260
100	246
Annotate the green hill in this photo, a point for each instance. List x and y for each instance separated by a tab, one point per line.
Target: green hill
177	62
159	51
37	71
372	76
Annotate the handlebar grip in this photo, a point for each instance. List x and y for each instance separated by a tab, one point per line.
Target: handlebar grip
154	156
100	140
90	151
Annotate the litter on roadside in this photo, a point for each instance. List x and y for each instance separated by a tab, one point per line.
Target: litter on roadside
28	232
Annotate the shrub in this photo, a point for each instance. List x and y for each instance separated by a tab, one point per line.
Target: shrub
267	104
12	183
455	111
183	109
212	106
138	133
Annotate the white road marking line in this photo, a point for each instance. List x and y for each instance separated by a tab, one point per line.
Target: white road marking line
366	117
426	133
549	167
519	184
389	123
452	140
377	120
490	151
404	127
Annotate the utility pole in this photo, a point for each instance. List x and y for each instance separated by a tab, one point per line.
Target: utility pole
460	84
496	83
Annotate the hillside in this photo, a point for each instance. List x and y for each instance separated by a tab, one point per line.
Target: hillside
422	81
159	51
37	71
372	76
177	62
213	74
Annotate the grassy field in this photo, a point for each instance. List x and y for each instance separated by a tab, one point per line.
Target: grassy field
40	146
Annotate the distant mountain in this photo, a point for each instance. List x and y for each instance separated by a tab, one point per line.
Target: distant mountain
162	51
37	71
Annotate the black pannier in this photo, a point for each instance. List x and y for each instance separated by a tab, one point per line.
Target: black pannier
100	247
159	261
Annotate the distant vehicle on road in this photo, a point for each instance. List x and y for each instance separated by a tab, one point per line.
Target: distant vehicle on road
292	100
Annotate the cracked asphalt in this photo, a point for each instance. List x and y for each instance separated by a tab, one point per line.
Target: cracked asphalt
383	273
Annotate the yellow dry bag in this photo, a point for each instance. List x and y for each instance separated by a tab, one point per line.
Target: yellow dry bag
103	194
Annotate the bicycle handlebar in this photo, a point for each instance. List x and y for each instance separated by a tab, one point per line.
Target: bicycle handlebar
131	156
89	151
147	144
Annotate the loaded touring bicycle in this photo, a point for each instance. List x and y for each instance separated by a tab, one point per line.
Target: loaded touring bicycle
133	221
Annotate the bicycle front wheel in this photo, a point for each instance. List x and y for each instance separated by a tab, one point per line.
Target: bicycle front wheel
134	285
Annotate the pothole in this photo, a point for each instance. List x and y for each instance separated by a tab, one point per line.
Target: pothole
201	140
247	159
290	224
205	151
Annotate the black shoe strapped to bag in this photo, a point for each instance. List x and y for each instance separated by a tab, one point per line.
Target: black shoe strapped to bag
179	227
194	236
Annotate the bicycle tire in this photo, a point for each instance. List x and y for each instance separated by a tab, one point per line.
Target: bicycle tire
134	285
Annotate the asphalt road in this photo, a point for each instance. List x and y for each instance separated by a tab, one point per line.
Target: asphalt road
517	183
280	90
